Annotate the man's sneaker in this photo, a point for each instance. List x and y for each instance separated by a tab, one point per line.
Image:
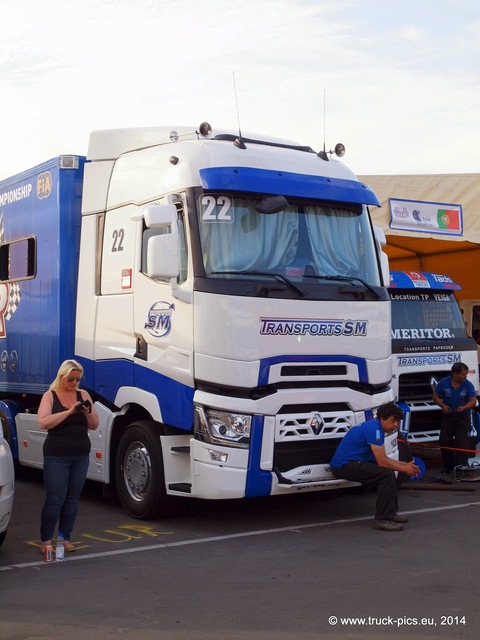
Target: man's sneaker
400	519
387	525
446	477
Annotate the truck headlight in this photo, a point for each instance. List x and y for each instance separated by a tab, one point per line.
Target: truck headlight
222	427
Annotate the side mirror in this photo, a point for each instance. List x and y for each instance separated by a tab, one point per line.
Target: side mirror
160	215
380	236
382	242
162	241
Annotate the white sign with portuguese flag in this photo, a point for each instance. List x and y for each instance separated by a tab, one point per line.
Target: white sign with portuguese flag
426	217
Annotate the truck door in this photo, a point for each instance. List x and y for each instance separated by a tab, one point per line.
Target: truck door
163	319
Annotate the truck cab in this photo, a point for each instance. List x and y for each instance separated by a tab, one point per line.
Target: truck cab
226	296
428	337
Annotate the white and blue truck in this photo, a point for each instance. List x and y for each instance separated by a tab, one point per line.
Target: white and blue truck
429	335
226	295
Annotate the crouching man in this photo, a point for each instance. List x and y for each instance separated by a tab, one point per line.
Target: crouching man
361	457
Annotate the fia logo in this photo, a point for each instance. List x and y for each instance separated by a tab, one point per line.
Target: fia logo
44	185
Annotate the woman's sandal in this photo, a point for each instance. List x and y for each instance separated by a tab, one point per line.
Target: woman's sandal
68	546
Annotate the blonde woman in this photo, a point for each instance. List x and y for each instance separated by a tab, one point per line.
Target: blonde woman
67	413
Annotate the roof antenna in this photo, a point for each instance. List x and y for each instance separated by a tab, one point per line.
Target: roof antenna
238	142
323	154
339	150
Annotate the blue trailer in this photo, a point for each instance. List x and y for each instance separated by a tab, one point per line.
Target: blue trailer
40	215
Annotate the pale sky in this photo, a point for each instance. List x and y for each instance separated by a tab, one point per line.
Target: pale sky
400	80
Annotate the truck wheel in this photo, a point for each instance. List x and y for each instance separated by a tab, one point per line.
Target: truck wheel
2	537
139	476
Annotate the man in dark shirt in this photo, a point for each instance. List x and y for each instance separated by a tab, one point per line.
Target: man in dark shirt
361	457
455	395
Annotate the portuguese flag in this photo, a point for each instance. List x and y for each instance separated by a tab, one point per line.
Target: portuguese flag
448	219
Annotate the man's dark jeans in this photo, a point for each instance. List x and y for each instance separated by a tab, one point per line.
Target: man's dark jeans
454	433
368	473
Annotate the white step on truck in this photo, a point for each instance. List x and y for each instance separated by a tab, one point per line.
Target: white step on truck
226	296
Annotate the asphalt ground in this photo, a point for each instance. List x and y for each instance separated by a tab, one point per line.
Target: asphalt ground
305	566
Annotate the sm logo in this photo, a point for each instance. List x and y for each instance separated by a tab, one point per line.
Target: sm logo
159	320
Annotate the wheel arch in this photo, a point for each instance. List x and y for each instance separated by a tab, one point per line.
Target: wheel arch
139	470
131	413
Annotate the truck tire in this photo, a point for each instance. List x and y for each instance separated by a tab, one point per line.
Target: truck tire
139	475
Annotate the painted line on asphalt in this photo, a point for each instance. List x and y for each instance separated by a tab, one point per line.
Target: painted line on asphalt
229	536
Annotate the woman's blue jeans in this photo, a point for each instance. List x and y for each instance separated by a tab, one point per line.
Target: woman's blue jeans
64	478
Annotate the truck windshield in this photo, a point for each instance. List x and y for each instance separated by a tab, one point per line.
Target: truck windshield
426	316
305	239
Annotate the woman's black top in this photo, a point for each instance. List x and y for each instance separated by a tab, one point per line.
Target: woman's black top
70	437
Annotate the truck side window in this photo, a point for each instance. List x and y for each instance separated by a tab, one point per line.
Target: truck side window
18	260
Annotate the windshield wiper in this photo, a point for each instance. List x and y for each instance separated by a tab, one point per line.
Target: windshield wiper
345	279
270	274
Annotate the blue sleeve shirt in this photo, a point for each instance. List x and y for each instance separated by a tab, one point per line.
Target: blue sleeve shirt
455	398
356	443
